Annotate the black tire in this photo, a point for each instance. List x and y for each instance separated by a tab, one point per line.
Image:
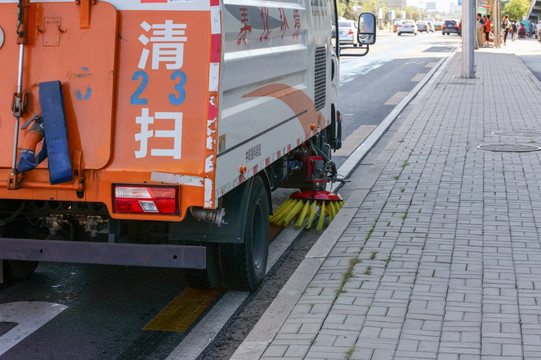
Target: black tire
15	270
399	34
244	265
209	278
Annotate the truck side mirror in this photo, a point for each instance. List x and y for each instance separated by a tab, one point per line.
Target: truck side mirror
366	33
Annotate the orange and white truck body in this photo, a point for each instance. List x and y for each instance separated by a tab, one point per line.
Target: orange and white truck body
194	97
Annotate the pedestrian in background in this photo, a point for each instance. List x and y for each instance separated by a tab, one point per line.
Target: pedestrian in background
480	26
506	24
538	32
488	28
522	31
513	31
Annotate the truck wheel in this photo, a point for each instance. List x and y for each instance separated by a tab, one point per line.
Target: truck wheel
18	270
244	265
208	278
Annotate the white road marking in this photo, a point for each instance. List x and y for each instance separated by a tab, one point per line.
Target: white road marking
396	98
29	316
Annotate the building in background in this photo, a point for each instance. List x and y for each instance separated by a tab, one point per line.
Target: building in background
534	13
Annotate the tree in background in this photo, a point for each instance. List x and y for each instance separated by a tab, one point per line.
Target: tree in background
516	9
371	6
345	9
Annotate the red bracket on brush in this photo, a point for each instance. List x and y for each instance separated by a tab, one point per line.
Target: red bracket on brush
316	195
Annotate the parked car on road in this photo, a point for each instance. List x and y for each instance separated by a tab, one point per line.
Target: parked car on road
422	26
407	27
450	27
347	32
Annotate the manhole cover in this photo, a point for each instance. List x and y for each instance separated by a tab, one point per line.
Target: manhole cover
520	133
508	147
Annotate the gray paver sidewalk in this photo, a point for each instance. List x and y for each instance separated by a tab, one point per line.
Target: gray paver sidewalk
441	238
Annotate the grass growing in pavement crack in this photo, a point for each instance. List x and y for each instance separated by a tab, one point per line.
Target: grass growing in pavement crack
368	270
388	260
349	352
373	256
369	234
347	275
405	215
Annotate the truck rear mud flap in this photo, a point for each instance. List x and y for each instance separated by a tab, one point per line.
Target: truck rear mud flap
168	256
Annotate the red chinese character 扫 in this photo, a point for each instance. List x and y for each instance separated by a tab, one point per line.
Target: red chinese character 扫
246	29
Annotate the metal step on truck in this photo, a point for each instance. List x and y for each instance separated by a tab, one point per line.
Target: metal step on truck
152	132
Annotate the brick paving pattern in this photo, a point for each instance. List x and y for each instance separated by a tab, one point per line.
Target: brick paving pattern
442	260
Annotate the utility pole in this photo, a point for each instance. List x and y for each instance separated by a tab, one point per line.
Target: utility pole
468	37
497	21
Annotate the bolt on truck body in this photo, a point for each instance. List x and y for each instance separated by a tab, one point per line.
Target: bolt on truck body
154	130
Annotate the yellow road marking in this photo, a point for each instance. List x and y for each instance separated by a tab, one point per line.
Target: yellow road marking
183	311
274	230
418	77
354	140
396	98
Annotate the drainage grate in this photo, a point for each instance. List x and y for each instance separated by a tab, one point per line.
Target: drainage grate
519	133
508	147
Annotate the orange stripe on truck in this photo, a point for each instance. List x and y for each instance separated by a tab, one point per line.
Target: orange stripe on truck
297	100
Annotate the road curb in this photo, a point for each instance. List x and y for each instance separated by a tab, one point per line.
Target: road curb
275	316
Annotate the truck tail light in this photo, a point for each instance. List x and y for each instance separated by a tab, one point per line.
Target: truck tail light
350	32
145	199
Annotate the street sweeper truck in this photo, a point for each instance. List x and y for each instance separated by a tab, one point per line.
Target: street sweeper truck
152	132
